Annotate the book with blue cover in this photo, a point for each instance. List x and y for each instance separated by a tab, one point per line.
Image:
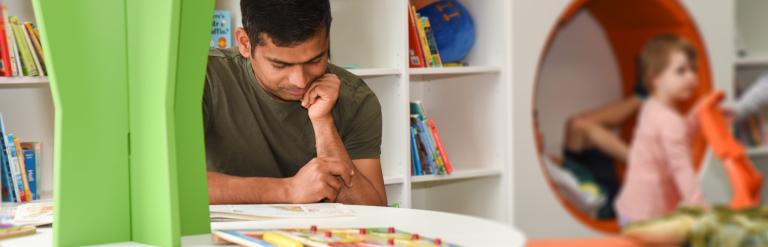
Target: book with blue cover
221	31
31	166
415	160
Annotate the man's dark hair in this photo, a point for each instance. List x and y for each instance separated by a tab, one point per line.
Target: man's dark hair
287	22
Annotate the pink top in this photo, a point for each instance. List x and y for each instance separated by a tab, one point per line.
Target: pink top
660	174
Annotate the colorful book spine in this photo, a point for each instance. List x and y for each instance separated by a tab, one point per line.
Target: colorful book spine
416	161
440	147
9	160
416	55
11	42
34	45
424	137
439	166
5	54
31	165
23	169
7	191
36	61
432	42
36	40
13	161
27	62
424	44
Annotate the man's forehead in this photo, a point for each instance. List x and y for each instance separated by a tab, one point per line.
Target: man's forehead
296	53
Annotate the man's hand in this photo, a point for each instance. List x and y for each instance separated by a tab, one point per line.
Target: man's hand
321	96
320	179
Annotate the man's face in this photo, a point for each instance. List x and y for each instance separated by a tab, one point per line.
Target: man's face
287	72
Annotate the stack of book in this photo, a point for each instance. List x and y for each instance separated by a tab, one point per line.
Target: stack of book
20	162
753	132
21	53
428	155
422	46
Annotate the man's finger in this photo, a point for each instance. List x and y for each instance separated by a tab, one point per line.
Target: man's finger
341	170
333	182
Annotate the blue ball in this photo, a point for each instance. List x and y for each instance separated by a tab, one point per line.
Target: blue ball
453	28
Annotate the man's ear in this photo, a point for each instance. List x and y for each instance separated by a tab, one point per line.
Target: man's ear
243	42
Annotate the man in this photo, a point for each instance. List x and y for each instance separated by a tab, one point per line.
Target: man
282	125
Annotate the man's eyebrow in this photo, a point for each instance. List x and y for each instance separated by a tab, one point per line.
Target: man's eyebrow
291	64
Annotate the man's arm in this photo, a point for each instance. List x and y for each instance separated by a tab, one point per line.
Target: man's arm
367	186
367	182
226	189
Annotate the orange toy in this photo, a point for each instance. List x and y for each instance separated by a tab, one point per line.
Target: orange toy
745	179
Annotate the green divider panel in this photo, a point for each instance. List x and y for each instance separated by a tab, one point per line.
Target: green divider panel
195	31
127	78
85	43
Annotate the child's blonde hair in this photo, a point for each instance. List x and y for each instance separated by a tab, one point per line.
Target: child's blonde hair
654	57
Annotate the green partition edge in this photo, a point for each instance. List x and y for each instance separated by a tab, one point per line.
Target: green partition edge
122	68
196	18
85	50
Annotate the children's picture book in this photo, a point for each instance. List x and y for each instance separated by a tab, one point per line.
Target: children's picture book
37	213
221	31
316	237
269	211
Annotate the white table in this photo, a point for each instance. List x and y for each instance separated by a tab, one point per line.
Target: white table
452	228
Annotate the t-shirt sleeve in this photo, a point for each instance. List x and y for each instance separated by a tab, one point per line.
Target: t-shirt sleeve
676	144
362	139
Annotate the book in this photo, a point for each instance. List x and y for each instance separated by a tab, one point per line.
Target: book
423	40
271	211
439	168
7	188
11	231
38	213
221	32
11	42
431	42
5	54
415	53
26	28
415	159
27	62
16	169
31	162
12	171
323	237
23	169
440	147
428	150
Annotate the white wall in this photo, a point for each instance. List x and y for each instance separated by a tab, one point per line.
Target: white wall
578	73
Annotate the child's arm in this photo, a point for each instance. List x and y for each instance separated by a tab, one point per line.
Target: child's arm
676	144
753	100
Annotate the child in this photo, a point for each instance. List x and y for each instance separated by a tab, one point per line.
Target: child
660	174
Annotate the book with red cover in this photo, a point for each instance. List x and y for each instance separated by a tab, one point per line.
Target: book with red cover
415	54
4	52
440	148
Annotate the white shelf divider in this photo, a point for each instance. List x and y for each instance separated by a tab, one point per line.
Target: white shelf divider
752	61
458	174
758	151
23	81
375	72
393	180
454	70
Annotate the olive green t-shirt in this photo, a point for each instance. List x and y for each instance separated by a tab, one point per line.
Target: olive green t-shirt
250	133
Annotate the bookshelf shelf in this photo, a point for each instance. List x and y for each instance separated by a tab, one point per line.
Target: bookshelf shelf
455	70
757	151
752	61
23	81
375	72
459	174
393	180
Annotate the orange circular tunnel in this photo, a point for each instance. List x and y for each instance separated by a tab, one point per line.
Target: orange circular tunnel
628	25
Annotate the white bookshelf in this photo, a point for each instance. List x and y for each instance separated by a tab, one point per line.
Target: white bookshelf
24	81
468	104
750	19
27	107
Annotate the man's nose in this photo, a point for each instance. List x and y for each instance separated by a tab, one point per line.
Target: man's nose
298	77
